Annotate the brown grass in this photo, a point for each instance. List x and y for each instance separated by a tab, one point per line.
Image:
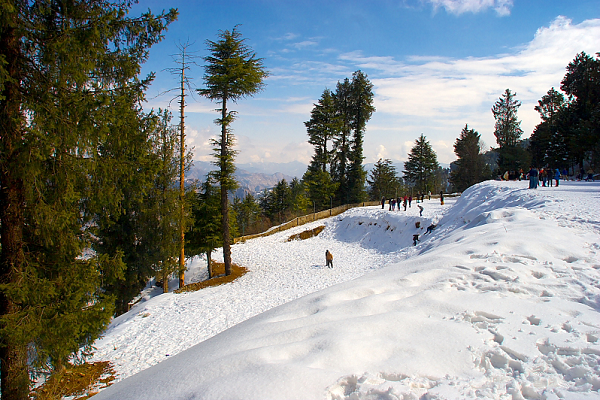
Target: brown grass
307	234
219	279
79	381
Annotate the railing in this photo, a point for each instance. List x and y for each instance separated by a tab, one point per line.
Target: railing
305	219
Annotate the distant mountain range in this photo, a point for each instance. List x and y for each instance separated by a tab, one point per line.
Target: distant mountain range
254	177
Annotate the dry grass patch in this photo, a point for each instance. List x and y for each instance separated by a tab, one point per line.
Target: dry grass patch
76	381
307	234
219	279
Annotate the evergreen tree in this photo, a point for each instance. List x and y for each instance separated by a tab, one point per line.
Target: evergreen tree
68	85
232	72
421	167
322	127
547	145
582	85
511	155
383	181
205	234
471	166
320	187
248	214
144	227
361	96
342	142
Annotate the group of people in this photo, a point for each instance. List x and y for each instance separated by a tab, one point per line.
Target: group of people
406	201
546	175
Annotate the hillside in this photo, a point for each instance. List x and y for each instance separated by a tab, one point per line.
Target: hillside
500	301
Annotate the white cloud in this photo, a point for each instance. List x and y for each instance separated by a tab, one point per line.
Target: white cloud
440	95
502	7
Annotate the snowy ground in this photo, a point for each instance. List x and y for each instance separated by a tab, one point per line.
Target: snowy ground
501	301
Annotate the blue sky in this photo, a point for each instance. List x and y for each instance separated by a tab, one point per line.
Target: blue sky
436	65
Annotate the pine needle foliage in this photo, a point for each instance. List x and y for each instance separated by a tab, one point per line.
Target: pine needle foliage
232	72
69	91
420	169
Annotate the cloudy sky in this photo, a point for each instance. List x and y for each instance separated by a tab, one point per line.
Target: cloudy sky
436	65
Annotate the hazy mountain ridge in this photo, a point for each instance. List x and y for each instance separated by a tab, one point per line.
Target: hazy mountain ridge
252	178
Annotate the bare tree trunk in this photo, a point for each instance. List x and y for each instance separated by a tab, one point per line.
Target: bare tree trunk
209	264
182	178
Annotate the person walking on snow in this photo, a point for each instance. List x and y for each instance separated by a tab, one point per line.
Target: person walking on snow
328	259
382	202
420	210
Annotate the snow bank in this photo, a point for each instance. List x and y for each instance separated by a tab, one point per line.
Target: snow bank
500	301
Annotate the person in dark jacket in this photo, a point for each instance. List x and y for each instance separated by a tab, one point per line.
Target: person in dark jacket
533	178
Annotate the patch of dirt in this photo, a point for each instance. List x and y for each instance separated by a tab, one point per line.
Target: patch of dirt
77	381
219	279
307	234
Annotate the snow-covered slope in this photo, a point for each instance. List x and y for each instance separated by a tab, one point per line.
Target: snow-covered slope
501	301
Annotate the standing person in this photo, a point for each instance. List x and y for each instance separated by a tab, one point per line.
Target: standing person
328	259
430	195
399	201
442	197
405	202
544	174
409	200
415	239
533	178
382	202
393	204
557	176
420	210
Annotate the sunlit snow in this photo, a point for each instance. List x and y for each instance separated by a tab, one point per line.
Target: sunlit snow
500	301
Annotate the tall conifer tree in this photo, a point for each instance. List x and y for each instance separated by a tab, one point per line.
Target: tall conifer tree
361	94
421	167
471	165
68	85
507	129
232	72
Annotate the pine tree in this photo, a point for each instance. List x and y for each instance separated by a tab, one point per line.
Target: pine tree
205	234
232	72
421	167
342	142
68	85
322	127
362	109
470	163
547	145
582	85
320	187
511	155
248	214
383	180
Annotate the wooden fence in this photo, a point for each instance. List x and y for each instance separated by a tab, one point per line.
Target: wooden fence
305	219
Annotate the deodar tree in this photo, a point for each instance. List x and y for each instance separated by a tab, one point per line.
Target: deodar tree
507	129
232	72
421	167
470	163
68	86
